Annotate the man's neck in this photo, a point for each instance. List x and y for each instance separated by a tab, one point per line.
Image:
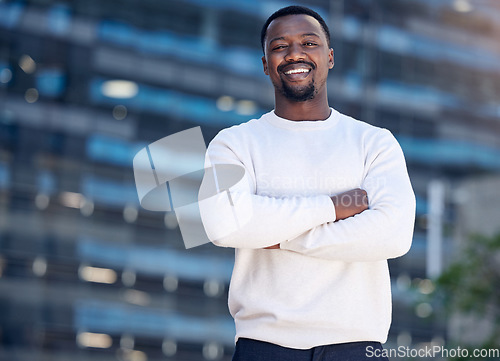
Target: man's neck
314	109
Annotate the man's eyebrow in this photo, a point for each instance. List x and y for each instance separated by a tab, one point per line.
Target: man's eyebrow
303	36
310	34
278	38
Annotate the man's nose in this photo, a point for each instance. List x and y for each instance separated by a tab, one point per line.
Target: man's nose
295	53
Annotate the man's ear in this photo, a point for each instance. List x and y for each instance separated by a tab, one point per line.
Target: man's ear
331	61
264	64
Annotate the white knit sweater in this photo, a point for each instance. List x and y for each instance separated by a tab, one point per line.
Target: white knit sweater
329	283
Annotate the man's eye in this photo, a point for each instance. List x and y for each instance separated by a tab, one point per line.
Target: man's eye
278	47
310	43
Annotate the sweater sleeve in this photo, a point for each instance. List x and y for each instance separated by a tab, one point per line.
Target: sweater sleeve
381	232
239	218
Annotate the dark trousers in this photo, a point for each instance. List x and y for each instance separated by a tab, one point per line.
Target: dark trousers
252	350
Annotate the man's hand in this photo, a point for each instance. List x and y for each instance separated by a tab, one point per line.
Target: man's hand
350	203
346	204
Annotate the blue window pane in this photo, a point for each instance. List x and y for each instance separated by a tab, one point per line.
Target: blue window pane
399	41
115	318
46	182
243	61
161	42
450	152
394	40
415	95
156	262
59	19
351	28
422	205
117	32
197	109
111	150
10	14
51	82
108	192
193	48
4	176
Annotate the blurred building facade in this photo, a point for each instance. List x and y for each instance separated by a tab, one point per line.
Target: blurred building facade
84	84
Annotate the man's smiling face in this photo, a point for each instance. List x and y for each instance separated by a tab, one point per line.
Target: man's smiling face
297	57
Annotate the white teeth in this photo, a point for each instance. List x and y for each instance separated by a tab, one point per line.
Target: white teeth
297	71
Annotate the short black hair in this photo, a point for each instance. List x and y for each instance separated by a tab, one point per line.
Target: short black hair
294	10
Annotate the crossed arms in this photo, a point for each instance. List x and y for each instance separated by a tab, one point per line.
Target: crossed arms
347	204
347	231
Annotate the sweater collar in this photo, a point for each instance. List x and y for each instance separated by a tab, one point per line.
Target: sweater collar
279	122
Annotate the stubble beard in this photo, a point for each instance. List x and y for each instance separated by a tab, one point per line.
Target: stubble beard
297	93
